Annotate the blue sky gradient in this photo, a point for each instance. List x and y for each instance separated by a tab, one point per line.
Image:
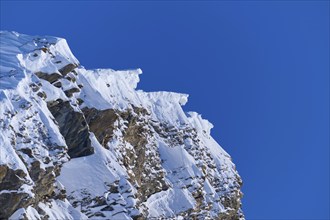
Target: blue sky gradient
258	70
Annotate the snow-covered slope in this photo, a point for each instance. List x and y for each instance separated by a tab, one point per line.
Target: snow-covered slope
78	144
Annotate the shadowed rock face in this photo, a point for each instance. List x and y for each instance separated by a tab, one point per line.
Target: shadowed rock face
44	180
137	134
73	127
10	202
14	179
101	123
49	77
70	92
68	68
11	180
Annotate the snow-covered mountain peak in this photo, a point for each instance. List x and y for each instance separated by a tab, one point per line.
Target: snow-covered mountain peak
79	143
21	54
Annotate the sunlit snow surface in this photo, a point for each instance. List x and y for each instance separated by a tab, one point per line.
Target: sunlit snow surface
102	89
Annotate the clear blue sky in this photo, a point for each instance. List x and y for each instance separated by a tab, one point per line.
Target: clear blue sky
259	71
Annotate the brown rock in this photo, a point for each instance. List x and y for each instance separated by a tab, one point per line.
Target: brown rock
49	77
73	127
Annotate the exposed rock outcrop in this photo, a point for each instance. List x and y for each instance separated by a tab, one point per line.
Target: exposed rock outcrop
73	127
11	180
49	77
101	123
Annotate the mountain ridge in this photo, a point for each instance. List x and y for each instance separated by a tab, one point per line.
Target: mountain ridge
79	143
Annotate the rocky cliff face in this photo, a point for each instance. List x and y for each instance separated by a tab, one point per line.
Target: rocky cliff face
78	144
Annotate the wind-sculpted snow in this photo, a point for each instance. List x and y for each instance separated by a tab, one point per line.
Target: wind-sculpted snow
106	88
79	143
